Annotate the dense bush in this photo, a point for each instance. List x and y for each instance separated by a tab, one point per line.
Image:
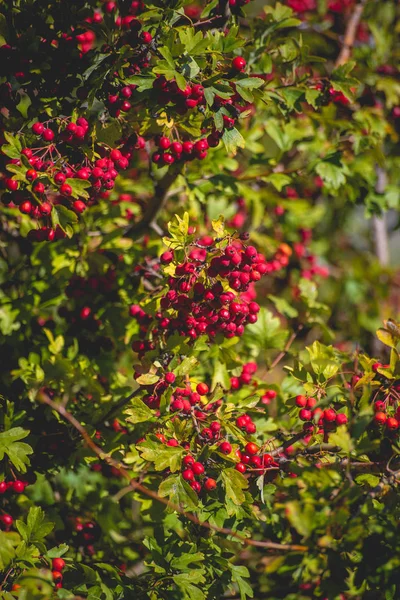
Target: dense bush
194	262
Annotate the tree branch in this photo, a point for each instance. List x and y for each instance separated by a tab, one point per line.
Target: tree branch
281	355
155	204
138	487
350	34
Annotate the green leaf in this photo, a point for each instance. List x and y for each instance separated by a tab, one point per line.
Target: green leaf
323	359
233	140
386	338
147	379
301	518
283	306
186	581
36	528
238	574
138	412
7	550
78	187
278	180
16	451
163	457
234	483
179	492
266	333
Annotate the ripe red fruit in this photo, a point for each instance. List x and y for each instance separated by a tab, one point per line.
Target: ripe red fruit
173	442
176	148
176	405
392	423
305	414
18	486
164	143
59	178
215	427
239	63
48	135
115	154
196	486
38	187
202	389
380	418
197	468
188	475
126	92
146	37
3	487
379	405
58	564
301	401
341	419
57	576
170	377
78	205
66	189
166	257
188	460
251	448
37	128
329	415
241	467
225	448
251	428
25	207
12	184
31	174
187	147
210	484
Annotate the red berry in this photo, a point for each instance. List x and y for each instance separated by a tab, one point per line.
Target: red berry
146	37
341	419
305	414
188	460
31	174
58	564
164	143
115	154
380	418
38	187
66	189
25	207
188	475
48	135
197	468
202	389
239	63
225	448
167	257
329	415
59	178
196	486
18	486
170	377
241	467
78	205
57	576
12	184
210	484
37	128
392	423
251	448
301	401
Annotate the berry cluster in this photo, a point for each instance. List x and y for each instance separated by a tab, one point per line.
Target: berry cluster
197	303
58	565
169	152
17	486
326	420
45	179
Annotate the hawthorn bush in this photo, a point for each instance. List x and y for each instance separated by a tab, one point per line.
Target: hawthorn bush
200	392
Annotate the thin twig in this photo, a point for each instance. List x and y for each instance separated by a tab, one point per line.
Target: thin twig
155	204
282	354
135	486
350	34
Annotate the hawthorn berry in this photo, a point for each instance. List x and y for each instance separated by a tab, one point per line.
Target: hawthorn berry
239	63
225	448
210	484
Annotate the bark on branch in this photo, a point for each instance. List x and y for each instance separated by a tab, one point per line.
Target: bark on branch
350	34
138	487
